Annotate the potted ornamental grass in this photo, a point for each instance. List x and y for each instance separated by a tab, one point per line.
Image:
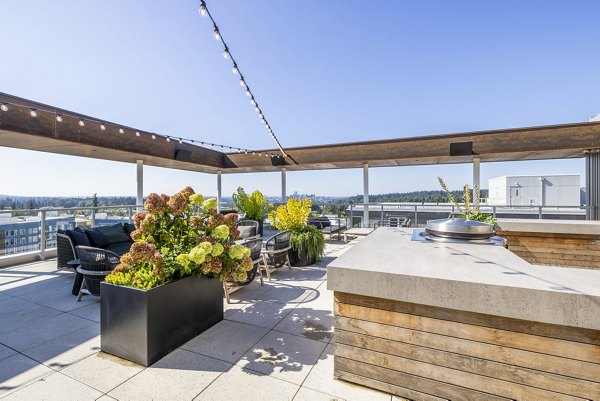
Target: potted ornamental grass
471	209
254	206
307	241
167	288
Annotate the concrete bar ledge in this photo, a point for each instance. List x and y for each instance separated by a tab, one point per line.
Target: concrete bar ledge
578	227
475	278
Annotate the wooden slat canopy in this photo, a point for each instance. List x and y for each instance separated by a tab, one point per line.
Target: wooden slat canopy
43	133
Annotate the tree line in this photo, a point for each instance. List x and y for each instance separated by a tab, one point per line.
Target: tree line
36	202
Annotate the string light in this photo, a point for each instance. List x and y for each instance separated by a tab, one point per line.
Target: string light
59	117
204	11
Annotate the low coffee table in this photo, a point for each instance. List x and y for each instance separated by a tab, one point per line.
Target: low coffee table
357	232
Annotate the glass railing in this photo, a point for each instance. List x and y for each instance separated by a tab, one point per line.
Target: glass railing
386	214
34	230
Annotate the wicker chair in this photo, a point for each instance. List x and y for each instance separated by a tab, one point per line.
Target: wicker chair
65	251
275	254
255	247
253	233
96	264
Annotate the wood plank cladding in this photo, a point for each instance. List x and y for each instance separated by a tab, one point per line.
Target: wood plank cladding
427	353
19	130
567	250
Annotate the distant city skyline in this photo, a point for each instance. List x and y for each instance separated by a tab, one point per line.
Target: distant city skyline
324	72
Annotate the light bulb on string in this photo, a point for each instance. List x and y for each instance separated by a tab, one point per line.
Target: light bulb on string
137	133
216	33
102	127
59	118
203	9
253	102
4	107
234	69
180	140
248	93
168	139
81	123
226	53
242	82
121	130
153	136
33	113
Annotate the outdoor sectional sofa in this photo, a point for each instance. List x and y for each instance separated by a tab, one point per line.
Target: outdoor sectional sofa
115	238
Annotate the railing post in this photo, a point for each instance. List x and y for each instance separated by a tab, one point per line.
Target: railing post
130	215
351	215
416	216
43	235
494	211
93	217
540	212
382	223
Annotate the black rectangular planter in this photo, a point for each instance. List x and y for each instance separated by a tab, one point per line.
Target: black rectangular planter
144	325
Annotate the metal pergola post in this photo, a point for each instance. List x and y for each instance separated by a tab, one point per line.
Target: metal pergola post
140	184
476	176
365	195
219	191
283	186
592	184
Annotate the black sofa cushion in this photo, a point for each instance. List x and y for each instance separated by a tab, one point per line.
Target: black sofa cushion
114	233
129	228
119	247
97	238
78	237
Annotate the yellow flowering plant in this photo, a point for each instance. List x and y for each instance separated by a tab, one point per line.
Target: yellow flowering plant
305	239
180	236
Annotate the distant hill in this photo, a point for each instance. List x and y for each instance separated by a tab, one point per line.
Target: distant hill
415	196
34	202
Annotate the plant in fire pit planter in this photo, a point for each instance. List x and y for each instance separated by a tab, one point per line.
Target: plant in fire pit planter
167	288
255	206
470	212
307	241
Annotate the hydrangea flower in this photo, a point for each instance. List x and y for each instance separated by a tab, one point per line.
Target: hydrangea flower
197	199
238	251
217	249
221	232
210	204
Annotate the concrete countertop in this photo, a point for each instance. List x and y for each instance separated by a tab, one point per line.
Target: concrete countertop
476	278
549	226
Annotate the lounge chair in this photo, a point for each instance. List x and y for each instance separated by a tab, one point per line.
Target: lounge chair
255	247
275	253
248	229
95	265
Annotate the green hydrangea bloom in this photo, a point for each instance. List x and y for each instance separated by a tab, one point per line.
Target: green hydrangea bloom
237	251
198	255
210	204
184	259
221	232
197	199
206	247
217	249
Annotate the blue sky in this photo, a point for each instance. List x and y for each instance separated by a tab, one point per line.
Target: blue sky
323	71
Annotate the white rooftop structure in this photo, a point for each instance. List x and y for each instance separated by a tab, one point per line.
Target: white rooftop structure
535	190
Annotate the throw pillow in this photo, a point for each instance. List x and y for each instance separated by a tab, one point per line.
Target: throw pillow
97	238
247	231
78	237
115	233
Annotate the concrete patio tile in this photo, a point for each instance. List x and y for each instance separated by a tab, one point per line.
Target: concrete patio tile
102	371
43	330
306	394
18	370
313	320
227	340
242	384
263	314
90	312
321	379
5	352
286	293
181	375
283	356
68	349
252	291
55	387
15	312
234	306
